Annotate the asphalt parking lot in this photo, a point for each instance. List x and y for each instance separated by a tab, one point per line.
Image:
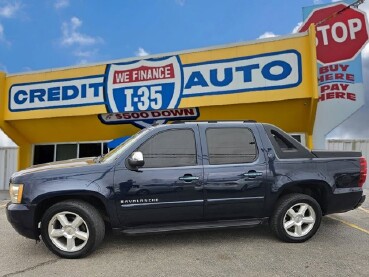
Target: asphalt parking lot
340	248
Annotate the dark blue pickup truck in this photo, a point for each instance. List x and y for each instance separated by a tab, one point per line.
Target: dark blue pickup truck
186	176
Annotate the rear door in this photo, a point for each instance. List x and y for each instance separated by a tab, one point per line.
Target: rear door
234	171
168	188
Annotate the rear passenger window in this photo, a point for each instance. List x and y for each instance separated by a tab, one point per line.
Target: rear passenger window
230	145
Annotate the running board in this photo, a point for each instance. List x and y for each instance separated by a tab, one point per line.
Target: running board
193	226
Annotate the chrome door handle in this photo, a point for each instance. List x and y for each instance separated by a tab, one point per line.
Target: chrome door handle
253	174
189	178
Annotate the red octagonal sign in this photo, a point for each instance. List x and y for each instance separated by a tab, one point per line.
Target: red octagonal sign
340	37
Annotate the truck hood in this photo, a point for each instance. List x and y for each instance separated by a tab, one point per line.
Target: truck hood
55	165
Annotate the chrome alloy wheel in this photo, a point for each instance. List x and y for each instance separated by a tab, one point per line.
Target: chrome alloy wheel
68	231
299	220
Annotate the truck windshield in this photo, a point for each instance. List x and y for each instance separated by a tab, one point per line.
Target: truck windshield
116	152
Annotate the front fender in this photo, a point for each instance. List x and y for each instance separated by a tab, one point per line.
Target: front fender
52	189
42	195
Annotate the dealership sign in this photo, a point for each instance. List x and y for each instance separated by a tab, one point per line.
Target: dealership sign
170	114
57	94
158	84
143	86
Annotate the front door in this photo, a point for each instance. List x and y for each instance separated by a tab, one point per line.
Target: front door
234	171
169	187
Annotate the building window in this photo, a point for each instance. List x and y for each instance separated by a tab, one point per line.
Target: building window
300	137
105	148
66	151
89	149
297	137
43	154
46	153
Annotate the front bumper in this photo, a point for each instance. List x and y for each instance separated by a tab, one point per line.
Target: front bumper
22	218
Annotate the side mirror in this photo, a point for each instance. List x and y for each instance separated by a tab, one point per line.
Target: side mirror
136	160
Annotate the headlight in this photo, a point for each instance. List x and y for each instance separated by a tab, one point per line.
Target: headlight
16	191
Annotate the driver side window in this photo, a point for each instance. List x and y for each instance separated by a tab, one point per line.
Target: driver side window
172	148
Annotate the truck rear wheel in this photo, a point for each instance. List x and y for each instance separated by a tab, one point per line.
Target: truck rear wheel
296	218
72	229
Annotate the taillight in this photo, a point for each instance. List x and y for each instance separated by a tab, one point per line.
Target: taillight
363	170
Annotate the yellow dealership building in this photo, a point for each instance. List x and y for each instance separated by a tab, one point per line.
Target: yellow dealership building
74	112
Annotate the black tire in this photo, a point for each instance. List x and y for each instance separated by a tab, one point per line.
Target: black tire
281	217
93	225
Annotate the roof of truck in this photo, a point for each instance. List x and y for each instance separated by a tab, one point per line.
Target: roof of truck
214	121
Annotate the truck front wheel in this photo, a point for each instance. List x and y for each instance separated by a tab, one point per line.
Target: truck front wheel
72	229
296	218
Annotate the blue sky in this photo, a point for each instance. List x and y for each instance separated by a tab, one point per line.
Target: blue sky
42	34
